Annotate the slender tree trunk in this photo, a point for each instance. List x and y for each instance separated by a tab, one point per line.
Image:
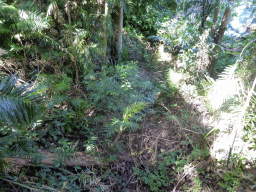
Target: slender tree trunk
203	17
71	43
117	24
120	33
105	28
223	26
218	40
215	18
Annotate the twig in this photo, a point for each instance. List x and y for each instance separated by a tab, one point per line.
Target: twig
49	188
190	131
118	135
63	170
20	184
154	155
154	137
32	4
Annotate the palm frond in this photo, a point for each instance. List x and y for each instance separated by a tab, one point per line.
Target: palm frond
17	104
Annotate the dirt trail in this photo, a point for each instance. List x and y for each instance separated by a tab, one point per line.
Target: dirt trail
179	122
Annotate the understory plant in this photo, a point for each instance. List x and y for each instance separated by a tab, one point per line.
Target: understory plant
160	176
120	90
20	107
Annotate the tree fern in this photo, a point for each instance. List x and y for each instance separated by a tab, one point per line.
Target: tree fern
17	104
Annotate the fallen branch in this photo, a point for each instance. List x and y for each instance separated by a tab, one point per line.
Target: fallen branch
79	159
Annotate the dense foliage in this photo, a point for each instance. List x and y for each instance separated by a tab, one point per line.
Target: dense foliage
125	95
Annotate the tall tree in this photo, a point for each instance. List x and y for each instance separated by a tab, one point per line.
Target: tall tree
117	25
218	35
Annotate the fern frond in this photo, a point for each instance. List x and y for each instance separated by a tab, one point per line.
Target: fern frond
31	21
226	88
17	103
132	109
80	34
52	9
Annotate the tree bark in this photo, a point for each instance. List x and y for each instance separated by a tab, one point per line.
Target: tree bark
116	45
218	40
223	26
99	2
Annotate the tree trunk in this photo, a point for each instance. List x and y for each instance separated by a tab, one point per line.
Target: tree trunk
215	18
223	26
218	40
203	17
116	45
70	42
120	33
105	28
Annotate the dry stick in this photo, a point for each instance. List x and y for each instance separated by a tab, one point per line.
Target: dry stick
142	135
154	155
32	4
118	135
184	175
42	187
20	184
236	125
130	145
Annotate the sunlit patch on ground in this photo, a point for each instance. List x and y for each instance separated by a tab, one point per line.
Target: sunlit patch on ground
164	56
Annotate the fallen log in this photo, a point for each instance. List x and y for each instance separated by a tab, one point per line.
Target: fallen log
80	159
